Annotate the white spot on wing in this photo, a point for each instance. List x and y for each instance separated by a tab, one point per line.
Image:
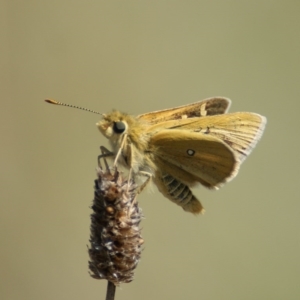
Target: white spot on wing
203	111
190	152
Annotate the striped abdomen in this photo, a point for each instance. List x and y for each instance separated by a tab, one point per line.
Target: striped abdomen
178	192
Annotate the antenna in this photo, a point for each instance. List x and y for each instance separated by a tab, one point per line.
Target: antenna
73	106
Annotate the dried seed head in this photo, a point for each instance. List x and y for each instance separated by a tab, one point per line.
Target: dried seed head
116	241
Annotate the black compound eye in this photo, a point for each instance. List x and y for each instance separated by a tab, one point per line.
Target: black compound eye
119	127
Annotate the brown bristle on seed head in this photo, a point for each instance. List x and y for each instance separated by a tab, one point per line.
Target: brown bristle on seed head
116	242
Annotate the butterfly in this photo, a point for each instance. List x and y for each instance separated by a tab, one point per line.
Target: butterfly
198	143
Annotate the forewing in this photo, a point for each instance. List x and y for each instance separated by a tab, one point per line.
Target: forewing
241	131
207	107
205	158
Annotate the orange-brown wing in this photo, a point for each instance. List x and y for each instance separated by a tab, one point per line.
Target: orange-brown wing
207	107
195	157
241	131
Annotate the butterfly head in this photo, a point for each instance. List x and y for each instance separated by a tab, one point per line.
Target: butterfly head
114	125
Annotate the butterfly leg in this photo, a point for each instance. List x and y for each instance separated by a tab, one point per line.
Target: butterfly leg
146	182
120	149
129	162
104	153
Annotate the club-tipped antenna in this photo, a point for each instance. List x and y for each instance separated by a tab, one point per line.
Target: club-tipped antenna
73	106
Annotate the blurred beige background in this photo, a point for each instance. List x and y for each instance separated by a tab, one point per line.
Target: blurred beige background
140	56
